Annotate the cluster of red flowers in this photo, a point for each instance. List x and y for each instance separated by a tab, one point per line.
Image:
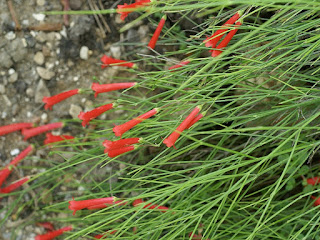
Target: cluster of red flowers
117	147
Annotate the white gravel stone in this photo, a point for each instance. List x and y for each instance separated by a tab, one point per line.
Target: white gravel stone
14	152
84	53
39	16
74	111
115	51
39	58
11	71
76	78
10	36
44	117
45	73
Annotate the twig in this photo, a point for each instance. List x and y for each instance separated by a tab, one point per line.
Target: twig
66	7
13	15
49	27
97	19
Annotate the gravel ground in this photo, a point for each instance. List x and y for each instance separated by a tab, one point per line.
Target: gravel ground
36	63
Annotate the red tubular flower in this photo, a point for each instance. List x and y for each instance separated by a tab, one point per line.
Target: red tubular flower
111	145
214	39
46	225
101	88
103	205
14	127
28	133
156	34
107	61
181	64
13	186
86	117
118	151
50	101
317	202
131	7
53	234
196	119
121	129
90	204
137	202
99	236
313	181
50	138
4	173
170	141
226	40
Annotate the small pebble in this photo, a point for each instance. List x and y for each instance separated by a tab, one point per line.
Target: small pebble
11	71
25	22
74	111
115	51
14	152
45	73
13	78
39	16
41	91
44	117
7	100
76	78
84	52
29	114
30	92
39	58
2	89
4	115
41	2
10	36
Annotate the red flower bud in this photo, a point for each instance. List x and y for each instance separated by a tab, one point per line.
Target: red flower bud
13	186
28	133
121	129
4	173
53	234
90	204
46	225
196	119
130	8
107	61
14	127
170	141
156	34
317	202
181	64
137	202
86	117
226	40
119	151
214	39
111	145
50	101
50	138
313	181
101	88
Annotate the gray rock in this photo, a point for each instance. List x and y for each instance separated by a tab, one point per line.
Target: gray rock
74	111
15	109
13	78
84	52
7	100
5	59
17	51
39	58
41	91
2	89
45	73
143	31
